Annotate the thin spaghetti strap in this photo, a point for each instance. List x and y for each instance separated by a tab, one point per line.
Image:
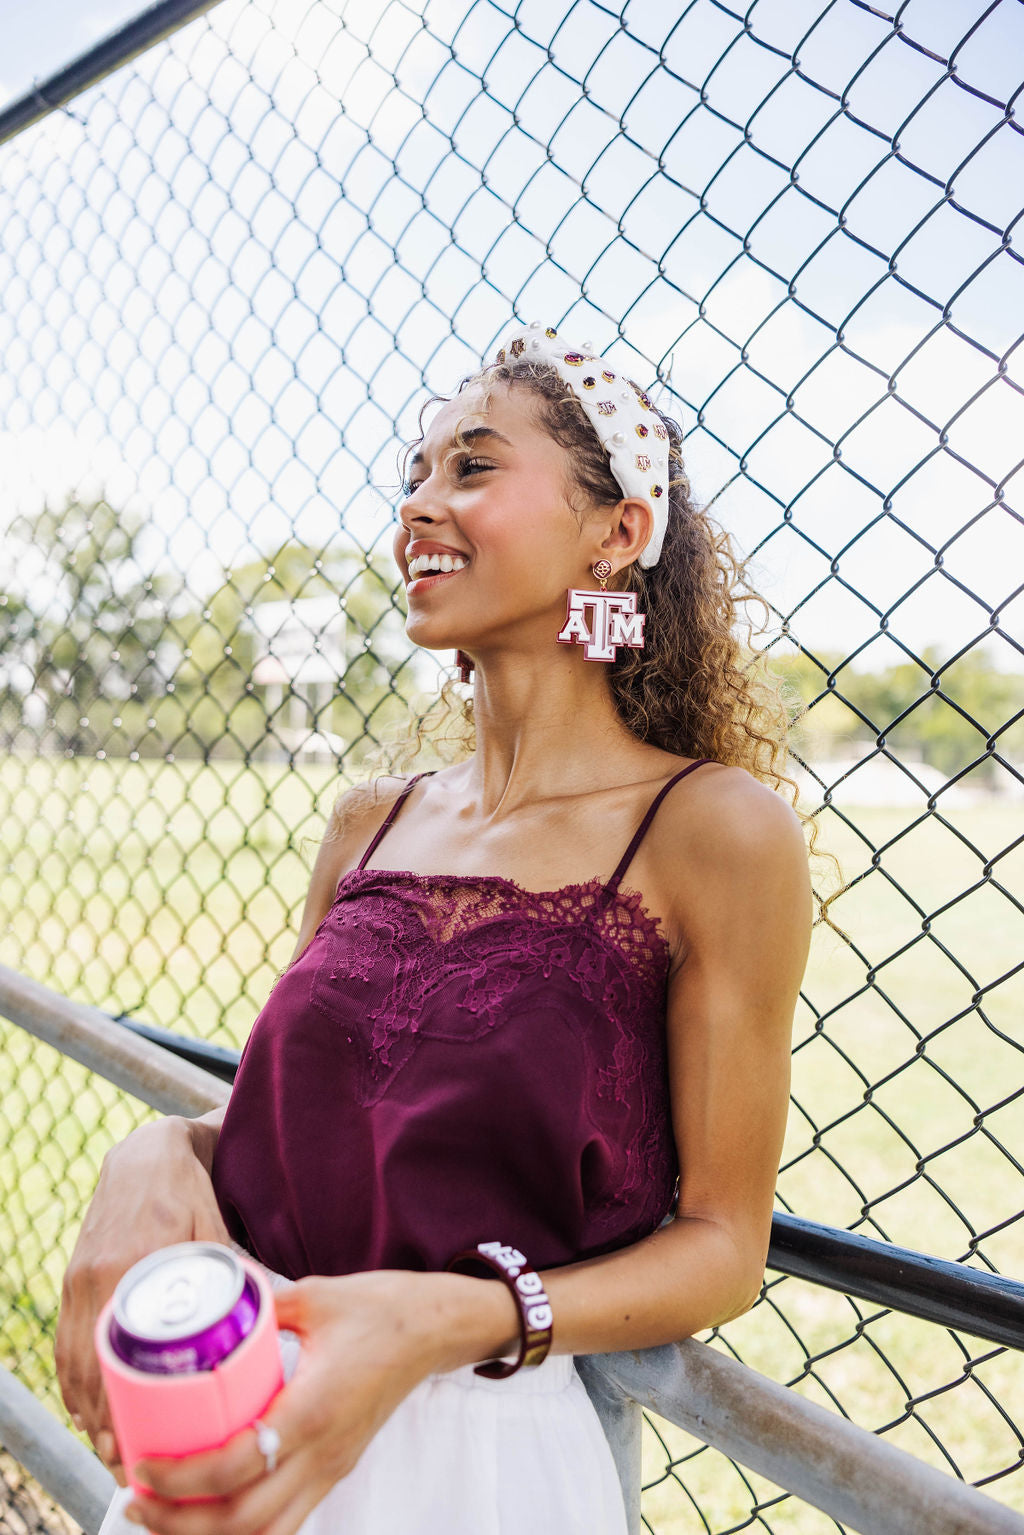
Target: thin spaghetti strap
389	818
641	831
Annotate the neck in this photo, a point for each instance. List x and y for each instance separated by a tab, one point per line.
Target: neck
544	726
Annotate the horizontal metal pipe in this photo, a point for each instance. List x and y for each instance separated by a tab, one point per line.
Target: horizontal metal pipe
215	1059
847	1472
89	1036
60	1463
149	27
988	1306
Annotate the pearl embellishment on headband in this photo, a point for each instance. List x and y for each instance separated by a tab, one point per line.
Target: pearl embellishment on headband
643	475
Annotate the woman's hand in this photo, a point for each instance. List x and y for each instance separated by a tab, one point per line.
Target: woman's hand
367	1340
154	1189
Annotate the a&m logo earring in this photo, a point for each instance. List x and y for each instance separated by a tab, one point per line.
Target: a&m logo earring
613	619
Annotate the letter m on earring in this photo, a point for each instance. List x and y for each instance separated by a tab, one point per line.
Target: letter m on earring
614	621
626	628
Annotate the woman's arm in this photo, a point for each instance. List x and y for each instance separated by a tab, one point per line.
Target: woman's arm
742	900
155	1186
745	908
740	895
154	1189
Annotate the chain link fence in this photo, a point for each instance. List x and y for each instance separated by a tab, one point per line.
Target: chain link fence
24	1507
231	271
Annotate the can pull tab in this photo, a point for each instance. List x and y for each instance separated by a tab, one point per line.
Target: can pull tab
180	1300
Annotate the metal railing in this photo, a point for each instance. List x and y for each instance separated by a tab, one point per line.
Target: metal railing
951	1294
829	1462
152	25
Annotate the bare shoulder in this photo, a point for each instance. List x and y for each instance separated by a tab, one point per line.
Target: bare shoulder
730	852
358	812
724	811
355	815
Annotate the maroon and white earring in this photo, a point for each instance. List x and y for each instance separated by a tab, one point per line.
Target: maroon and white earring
613	619
465	665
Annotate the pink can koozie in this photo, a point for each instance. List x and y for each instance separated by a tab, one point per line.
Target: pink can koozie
188	1350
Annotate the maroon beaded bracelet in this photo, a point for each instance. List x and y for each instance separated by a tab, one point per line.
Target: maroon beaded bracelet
527	1287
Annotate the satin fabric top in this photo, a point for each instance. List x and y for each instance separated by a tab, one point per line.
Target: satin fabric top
454	1059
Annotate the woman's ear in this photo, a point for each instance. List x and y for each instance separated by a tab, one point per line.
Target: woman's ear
630	531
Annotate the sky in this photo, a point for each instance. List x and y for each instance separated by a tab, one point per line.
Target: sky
224	306
38	39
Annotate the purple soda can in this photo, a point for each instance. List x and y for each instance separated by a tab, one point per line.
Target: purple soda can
183	1309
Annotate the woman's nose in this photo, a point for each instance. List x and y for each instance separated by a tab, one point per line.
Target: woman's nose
416	520
424	505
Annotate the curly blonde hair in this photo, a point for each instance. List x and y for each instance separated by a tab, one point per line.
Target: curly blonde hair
691	690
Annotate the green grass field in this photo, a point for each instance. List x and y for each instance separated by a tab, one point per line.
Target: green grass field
171	891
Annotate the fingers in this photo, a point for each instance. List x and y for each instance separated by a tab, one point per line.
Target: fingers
303	1303
217	1473
85	1292
291	1310
281	1497
68	1359
247	1498
291	1519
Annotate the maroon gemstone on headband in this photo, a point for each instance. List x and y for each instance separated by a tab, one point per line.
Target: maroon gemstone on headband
656	491
644	401
551	332
641	430
574	359
590	383
608	377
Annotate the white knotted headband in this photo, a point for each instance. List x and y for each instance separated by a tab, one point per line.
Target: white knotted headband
627	424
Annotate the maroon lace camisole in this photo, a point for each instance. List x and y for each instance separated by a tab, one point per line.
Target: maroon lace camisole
454	1059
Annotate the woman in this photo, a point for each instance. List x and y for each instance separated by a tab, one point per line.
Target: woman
528	990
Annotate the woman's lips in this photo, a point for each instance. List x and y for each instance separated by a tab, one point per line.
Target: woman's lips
420	583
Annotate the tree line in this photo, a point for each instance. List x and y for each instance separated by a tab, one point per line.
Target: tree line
102	651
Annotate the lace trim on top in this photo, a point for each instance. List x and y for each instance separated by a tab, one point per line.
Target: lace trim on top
484	945
623	910
486	936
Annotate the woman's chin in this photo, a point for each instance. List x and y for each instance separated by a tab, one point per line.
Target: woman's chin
431	636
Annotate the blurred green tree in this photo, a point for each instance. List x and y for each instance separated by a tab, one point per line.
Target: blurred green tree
946	724
92	624
365	668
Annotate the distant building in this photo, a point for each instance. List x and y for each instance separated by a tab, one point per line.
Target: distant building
303	659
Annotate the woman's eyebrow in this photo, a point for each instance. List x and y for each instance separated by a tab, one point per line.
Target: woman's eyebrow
473	435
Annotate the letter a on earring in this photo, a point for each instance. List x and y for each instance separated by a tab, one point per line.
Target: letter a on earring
612	621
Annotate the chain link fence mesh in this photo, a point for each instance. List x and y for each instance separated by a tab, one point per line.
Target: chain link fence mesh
24	1507
230	273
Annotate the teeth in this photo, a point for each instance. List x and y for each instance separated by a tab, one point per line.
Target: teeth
442	563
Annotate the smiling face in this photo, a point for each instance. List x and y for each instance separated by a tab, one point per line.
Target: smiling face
487	541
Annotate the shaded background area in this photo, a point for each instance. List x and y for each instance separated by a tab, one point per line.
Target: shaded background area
231	272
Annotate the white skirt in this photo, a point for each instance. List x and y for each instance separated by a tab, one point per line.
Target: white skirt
464	1455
